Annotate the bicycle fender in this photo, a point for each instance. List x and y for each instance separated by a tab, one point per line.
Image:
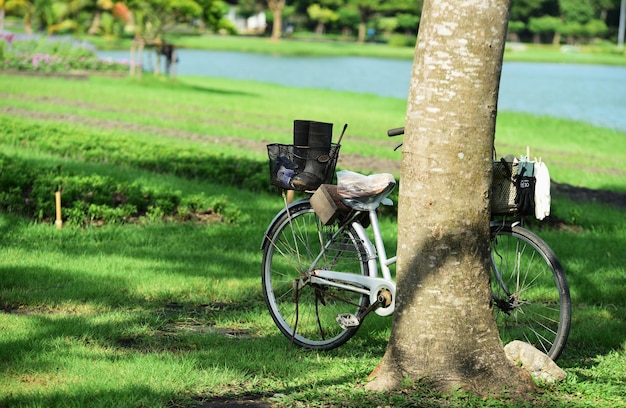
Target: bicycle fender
369	247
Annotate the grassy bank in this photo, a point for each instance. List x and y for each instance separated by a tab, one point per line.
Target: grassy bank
602	54
157	313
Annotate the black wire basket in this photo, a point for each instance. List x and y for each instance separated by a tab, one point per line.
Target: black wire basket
503	188
289	161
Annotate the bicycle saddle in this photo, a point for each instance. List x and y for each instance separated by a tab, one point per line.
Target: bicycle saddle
365	193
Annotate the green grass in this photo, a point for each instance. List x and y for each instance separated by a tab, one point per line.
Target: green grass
605	54
165	314
565	146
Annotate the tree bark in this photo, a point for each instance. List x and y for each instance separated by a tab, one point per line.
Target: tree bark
443	327
277	11
95	25
362	33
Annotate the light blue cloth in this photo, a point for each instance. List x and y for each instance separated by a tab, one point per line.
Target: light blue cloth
526	168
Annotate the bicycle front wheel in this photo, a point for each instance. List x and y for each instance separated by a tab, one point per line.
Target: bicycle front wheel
530	293
304	312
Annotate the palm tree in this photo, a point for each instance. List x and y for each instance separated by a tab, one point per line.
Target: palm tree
39	12
96	10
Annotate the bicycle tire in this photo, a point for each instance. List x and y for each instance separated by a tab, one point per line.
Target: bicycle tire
308	316
530	293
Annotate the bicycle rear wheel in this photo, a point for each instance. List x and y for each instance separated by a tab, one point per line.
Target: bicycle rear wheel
529	290
308	315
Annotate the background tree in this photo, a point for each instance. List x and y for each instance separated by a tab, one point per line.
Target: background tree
276	6
158	16
39	14
574	13
322	16
602	8
248	8
546	25
579	11
522	10
387	25
99	8
366	9
76	15
13	7
212	16
579	19
595	28
408	22
443	327
401	6
348	20
515	28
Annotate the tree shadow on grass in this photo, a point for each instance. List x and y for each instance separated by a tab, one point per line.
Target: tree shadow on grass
107	351
598	291
80	292
82	397
175	322
221	91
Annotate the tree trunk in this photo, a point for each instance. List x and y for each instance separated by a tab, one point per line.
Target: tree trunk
362	32
95	25
319	29
443	327
277	11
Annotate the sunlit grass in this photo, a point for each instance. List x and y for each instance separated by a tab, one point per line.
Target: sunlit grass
590	54
165	314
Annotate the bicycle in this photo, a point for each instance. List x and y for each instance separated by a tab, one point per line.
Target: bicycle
321	281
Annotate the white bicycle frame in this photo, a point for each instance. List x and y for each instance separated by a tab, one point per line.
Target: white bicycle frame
371	285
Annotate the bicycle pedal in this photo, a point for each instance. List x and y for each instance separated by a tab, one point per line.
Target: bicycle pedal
348	321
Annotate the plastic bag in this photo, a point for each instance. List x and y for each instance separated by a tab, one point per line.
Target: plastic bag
353	185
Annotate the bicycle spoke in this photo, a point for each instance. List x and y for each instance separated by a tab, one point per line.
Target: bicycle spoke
529	290
299	243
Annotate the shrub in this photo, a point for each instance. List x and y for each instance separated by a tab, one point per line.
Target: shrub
99	147
402	40
52	54
94	199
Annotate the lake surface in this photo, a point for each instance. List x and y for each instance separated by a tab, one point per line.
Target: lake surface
590	93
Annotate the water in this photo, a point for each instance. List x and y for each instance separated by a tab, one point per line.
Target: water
590	93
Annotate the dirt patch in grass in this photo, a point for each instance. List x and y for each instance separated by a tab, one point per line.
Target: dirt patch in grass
587	195
354	162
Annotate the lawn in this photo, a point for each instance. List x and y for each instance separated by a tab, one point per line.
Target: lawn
163	313
606	54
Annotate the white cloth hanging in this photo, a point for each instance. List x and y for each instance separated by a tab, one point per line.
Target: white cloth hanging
542	191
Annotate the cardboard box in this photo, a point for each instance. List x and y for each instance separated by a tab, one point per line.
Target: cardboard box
327	203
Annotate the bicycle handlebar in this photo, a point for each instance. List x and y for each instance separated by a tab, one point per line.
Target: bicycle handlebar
395	132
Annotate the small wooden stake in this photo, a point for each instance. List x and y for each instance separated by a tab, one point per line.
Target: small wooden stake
57	199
